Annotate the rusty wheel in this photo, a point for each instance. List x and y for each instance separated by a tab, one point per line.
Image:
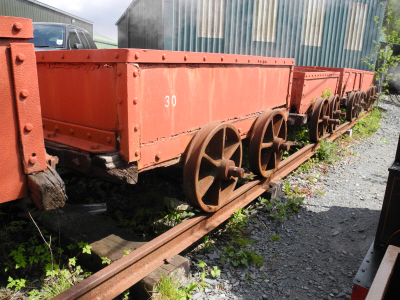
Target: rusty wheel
334	112
369	100
364	100
353	106
267	142
212	166
319	119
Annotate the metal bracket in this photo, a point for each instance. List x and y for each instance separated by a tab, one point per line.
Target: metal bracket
26	90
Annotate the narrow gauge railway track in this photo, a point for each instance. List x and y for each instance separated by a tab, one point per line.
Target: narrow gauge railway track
124	273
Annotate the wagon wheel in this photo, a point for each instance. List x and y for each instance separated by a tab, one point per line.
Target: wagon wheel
319	119
364	100
369	99
334	112
353	109
268	142
212	166
374	95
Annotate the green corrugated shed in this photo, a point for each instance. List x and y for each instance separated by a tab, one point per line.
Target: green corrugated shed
103	42
40	12
331	33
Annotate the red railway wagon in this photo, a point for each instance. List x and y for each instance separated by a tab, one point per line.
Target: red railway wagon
115	113
24	169
355	87
307	104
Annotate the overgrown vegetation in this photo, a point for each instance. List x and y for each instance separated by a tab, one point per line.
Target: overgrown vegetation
28	253
368	126
168	288
382	60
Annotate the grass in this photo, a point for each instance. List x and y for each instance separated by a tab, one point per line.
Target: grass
168	288
366	127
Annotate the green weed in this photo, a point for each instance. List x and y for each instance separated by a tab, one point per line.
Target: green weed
168	289
326	93
241	257
368	126
237	222
327	152
275	238
280	210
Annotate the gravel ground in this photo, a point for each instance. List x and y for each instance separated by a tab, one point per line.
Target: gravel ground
322	246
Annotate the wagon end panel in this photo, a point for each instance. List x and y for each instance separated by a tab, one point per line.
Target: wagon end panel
12	173
79	102
179	99
368	80
79	93
23	169
296	94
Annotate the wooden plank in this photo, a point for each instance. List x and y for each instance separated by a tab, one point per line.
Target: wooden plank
382	277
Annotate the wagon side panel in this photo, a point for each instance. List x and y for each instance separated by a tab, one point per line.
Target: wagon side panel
180	99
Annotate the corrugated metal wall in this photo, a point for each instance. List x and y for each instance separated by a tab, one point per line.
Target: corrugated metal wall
142	25
38	13
333	33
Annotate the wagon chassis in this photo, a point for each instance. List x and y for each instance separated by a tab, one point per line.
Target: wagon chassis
124	273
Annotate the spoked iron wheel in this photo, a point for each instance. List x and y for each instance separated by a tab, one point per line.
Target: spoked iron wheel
319	119
268	143
334	112
212	166
364	100
353	106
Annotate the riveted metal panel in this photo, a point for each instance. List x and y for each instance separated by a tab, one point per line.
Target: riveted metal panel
313	32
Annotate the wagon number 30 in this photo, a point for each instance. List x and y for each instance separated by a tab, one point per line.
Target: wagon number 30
173	100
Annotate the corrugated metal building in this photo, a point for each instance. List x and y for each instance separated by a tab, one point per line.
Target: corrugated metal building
333	33
40	12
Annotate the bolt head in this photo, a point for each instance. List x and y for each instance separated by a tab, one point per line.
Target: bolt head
119	100
72	131
17	26
164	56
137	153
108	139
89	135
62	56
185	57
28	127
158	155
136	127
204	58
116	55
222	58
135	73
135	100
119	73
239	130
88	56
94	146
24	93
20	57
249	60
32	160
136	55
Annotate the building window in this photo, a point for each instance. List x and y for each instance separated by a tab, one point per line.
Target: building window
313	22
264	20
356	23
210	18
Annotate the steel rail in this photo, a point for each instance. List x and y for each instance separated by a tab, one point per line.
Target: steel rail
122	274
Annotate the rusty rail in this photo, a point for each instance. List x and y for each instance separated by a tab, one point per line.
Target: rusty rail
121	275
